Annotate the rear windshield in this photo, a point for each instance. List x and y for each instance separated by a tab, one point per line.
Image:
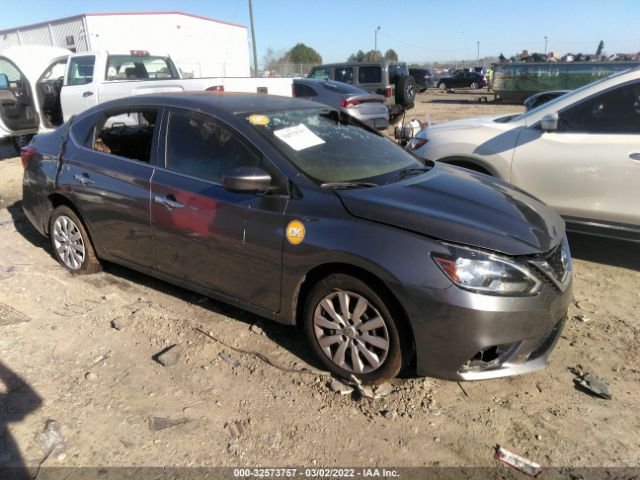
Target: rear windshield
327	147
132	67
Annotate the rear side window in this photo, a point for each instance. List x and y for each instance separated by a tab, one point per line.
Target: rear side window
136	67
344	74
203	148
301	90
322	73
81	70
127	134
370	74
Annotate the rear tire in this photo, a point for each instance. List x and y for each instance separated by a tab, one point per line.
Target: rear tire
406	91
474	86
71	244
352	330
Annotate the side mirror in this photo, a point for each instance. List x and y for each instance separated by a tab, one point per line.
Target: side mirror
246	179
549	122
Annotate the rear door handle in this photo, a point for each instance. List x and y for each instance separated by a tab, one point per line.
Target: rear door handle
88	93
634	155
83	179
169	203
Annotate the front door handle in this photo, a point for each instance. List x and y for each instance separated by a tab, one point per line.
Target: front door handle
88	93
169	203
83	179
634	156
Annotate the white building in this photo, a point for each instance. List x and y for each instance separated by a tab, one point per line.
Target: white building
200	47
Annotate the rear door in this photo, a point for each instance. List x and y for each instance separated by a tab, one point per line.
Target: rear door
205	235
590	167
17	103
108	179
79	91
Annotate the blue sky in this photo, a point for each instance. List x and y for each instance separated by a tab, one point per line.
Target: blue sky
418	30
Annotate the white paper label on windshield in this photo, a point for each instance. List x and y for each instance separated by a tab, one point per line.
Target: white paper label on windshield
298	137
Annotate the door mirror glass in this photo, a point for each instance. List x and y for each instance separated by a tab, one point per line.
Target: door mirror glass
549	123
246	179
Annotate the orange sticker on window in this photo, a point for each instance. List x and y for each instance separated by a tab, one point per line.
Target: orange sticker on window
295	232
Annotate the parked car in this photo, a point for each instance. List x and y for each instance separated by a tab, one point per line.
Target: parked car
541	98
423	77
462	79
41	86
387	78
294	211
366	107
580	153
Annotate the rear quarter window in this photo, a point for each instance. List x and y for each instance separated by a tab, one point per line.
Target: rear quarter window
370	74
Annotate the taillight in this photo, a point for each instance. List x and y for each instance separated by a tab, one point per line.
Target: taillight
26	154
349	103
215	88
387	91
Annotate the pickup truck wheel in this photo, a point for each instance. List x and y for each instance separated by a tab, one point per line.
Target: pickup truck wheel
20	141
71	244
352	330
406	91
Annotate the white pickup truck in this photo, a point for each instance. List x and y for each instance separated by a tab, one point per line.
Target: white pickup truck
41	86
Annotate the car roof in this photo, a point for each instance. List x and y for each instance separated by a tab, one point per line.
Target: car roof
212	102
332	85
359	64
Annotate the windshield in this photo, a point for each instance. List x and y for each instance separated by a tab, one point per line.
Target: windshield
328	146
562	98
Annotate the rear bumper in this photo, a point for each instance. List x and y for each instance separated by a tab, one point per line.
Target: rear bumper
460	335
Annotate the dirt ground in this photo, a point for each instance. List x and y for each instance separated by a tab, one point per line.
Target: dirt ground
62	359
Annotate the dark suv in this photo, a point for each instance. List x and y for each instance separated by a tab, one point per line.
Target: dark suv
423	78
388	78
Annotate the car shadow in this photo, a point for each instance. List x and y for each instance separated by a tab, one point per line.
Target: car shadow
16	402
290	338
616	253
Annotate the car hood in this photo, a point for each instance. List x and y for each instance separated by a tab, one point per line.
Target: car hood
463	207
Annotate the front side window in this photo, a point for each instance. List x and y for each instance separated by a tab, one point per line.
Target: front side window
344	74
10	75
615	111
324	145
321	73
81	70
370	74
201	147
127	134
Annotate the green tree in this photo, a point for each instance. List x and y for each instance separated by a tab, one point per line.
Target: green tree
300	53
391	55
373	56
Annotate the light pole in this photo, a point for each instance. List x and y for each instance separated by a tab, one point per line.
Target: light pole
253	38
545	44
478	54
375	36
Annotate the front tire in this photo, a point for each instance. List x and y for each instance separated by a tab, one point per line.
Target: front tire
71	244
474	86
352	330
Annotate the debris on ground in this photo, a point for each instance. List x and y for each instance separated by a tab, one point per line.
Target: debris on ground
590	384
257	328
236	428
161	423
121	323
11	316
338	387
524	465
581	318
51	441
91	376
374	392
229	359
169	356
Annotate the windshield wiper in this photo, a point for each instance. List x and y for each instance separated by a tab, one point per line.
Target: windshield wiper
406	172
348	184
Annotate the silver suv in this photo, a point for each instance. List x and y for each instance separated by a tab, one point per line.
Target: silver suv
386	77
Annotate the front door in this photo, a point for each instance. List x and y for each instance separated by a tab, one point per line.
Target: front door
590	167
206	236
17	107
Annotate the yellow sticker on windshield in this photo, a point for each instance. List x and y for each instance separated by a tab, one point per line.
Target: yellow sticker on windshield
259	120
295	232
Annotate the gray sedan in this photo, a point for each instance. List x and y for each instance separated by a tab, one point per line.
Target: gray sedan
365	106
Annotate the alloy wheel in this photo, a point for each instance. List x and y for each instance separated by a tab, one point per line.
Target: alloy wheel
68	242
351	332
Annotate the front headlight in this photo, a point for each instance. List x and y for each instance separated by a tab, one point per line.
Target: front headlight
486	273
415	143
